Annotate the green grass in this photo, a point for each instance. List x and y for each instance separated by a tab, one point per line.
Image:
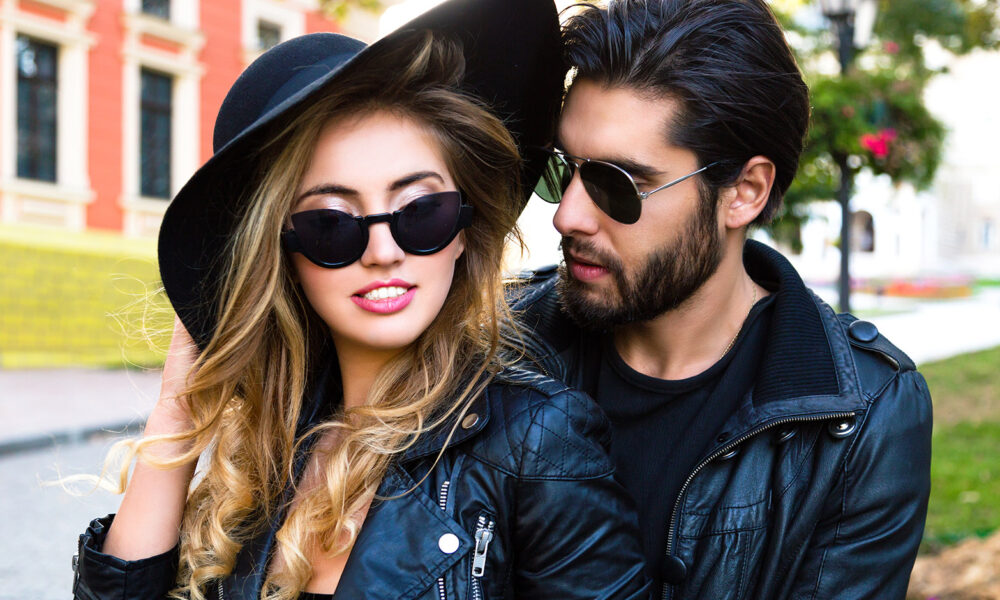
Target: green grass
79	299
965	483
966	387
965	463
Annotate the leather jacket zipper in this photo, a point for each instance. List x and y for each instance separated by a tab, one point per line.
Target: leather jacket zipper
483	537
721	451
443	504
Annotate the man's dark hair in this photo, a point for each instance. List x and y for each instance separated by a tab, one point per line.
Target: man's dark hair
726	63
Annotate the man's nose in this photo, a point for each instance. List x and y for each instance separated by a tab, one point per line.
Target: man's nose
382	247
577	213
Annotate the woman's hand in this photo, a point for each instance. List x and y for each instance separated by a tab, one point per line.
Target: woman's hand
148	521
171	408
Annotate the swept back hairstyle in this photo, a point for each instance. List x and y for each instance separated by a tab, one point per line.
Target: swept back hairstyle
725	62
245	390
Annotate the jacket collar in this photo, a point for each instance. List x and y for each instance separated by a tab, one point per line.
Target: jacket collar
807	368
433	441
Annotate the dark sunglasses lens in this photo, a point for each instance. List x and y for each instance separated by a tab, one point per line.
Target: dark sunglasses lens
428	223
555	177
330	237
612	191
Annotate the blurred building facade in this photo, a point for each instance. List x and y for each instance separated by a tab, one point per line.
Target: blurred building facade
952	229
107	106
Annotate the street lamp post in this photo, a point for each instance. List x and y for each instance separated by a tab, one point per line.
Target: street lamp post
851	22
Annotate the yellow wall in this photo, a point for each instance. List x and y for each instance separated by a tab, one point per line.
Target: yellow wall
90	299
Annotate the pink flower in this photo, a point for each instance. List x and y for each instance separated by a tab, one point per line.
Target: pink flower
878	143
890	47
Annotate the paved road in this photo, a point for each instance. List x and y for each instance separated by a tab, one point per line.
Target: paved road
42	523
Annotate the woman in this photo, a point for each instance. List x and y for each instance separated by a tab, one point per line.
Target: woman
338	265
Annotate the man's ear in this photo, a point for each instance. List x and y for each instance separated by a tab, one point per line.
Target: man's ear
749	195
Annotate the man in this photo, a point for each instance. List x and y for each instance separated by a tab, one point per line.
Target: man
774	448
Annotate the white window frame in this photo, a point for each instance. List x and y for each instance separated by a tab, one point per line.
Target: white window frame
286	14
142	215
62	203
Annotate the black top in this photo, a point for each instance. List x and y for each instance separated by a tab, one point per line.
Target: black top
310	596
662	428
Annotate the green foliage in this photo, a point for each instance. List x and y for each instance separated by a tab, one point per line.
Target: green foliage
875	117
339	9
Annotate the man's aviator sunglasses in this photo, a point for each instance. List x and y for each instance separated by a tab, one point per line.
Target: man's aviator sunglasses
611	188
333	238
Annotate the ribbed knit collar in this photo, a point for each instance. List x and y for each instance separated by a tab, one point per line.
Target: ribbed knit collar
807	366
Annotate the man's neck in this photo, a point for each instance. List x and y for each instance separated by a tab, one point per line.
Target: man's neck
686	341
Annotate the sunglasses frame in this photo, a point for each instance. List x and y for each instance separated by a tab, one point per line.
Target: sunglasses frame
577	163
292	243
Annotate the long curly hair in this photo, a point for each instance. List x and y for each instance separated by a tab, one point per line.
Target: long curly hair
245	391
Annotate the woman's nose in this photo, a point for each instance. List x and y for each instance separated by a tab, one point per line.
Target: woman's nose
382	247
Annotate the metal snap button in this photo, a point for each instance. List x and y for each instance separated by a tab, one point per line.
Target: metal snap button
470	421
448	543
729	455
673	570
786	434
863	331
842	428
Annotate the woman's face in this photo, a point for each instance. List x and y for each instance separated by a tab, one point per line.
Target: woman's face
373	164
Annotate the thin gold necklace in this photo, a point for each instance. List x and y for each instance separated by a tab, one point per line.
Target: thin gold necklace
735	337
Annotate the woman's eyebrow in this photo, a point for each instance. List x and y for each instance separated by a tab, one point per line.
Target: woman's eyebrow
413	178
325	189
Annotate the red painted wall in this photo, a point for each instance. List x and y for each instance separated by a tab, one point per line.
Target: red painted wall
222	57
316	22
104	135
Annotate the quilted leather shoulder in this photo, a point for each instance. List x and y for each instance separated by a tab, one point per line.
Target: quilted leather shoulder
541	429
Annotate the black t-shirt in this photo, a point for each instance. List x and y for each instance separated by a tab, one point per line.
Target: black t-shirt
662	428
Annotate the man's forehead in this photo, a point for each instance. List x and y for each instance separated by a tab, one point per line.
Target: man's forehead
615	122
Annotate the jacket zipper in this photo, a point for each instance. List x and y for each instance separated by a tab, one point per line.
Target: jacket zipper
443	504
220	590
728	447
484	535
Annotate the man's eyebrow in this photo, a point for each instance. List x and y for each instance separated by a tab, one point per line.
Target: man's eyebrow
636	169
413	178
632	167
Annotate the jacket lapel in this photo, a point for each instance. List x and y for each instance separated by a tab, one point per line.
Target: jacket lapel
399	553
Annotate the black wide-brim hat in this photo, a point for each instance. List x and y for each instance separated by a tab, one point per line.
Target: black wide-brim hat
513	63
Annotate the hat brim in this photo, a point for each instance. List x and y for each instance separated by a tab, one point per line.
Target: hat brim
513	64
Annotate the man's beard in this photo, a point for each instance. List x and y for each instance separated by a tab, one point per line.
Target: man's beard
667	277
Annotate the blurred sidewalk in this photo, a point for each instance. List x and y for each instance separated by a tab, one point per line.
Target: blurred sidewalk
929	330
42	407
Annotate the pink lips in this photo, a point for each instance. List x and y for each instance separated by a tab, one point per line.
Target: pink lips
585	271
385	306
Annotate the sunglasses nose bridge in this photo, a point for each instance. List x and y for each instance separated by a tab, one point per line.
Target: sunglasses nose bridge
381	246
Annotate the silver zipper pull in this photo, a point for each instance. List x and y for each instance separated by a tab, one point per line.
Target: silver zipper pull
484	535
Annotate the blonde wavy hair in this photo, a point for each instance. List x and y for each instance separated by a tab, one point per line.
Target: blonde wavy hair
245	391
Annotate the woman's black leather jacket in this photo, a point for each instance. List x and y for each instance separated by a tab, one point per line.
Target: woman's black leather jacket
521	504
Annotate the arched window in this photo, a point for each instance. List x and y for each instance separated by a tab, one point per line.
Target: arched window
862	232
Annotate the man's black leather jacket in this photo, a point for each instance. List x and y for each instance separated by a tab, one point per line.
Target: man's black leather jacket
817	487
525	486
